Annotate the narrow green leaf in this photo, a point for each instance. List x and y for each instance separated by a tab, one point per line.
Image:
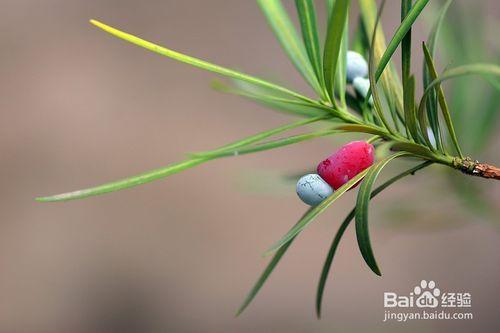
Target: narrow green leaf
197	62
361	214
284	30
341	74
464	70
336	25
471	69
360	42
409	106
432	100
315	211
269	145
266	273
406	65
362	129
309	28
391	83
260	136
177	167
405	44
415	149
340	232
377	104
275	101
125	183
442	102
400	33
329	7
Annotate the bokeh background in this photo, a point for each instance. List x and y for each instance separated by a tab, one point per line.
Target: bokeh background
79	108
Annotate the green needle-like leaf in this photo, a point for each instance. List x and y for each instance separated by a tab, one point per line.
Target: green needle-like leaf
284	30
406	44
409	106
390	80
260	136
472	69
177	167
341	79
269	145
309	28
197	62
400	33
313	213
265	274
340	232
416	149
377	104
360	42
335	30
432	100
361	215
125	183
275	101
442	103
362	129
406	64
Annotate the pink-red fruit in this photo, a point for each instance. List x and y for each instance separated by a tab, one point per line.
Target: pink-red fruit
346	163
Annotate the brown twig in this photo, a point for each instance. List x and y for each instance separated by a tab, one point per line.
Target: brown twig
474	168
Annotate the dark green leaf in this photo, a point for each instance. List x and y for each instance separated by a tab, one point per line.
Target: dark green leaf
336	25
377	104
442	102
409	106
414	148
400	33
338	236
309	28
265	274
341	75
481	69
361	214
432	100
360	42
406	66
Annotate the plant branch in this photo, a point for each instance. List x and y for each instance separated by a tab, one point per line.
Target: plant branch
474	168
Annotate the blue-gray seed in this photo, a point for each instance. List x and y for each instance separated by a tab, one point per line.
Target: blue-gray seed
362	85
312	189
356	66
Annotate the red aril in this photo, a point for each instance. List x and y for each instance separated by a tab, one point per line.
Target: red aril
346	163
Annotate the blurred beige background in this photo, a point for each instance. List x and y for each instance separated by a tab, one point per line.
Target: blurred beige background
79	108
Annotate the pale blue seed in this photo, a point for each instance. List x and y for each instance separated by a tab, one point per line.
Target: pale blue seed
362	85
356	66
312	189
